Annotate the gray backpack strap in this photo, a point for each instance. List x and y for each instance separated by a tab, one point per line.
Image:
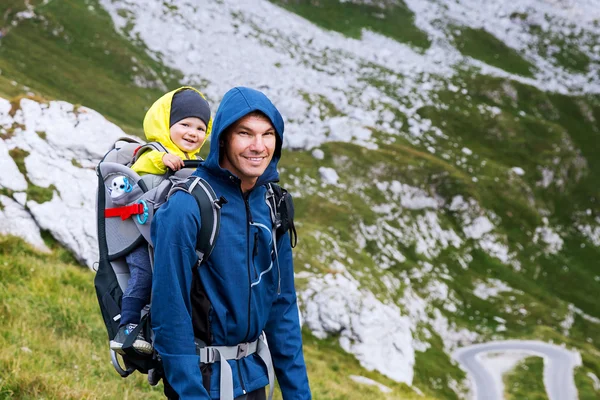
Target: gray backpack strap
220	354
156	146
210	213
123	150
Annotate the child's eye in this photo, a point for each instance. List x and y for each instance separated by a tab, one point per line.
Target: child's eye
186	125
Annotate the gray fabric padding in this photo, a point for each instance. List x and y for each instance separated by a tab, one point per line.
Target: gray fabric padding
120	234
152	181
184	172
121	271
111	167
122	151
155	198
156	146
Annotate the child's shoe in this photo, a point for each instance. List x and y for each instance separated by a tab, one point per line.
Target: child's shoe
140	344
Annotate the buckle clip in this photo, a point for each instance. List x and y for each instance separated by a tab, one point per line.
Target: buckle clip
242	351
210	355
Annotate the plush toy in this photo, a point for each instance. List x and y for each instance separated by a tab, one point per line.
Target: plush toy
120	185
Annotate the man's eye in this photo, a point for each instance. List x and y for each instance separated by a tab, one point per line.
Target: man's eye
270	133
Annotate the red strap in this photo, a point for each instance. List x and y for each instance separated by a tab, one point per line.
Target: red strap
124	212
136	150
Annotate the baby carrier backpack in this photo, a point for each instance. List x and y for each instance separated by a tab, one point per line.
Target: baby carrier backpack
125	206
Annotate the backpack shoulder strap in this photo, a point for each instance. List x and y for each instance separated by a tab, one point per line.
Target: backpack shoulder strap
210	213
122	151
283	218
156	146
123	140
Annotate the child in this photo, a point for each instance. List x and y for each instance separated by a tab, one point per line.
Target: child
179	120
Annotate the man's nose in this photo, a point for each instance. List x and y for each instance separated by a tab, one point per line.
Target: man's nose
258	144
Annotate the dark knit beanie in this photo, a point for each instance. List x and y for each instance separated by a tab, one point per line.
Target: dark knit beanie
188	103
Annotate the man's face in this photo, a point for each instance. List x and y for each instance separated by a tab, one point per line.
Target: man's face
249	146
188	134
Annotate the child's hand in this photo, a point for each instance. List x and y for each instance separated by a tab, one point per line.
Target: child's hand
172	161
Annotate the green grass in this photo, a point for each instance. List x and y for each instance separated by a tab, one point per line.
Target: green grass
433	370
563	50
53	342
526	380
585	385
482	45
572	58
394	20
73	53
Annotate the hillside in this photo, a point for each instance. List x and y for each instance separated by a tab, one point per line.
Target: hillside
442	156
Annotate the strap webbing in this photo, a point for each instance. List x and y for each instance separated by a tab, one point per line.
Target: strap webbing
125	211
212	354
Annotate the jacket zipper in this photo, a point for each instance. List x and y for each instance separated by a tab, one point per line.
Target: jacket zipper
249	221
254	254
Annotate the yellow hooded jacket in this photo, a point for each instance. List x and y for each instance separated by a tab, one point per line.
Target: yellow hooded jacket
157	129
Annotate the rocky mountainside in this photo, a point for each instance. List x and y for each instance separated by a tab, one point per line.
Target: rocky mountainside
442	155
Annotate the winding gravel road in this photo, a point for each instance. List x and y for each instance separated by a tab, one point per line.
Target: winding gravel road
559	365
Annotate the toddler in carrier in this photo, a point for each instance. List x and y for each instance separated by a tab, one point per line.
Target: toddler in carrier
179	121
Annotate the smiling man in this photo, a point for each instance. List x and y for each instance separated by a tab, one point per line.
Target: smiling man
244	291
248	148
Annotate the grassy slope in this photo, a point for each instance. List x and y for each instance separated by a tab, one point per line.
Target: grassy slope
526	380
78	66
53	343
481	45
395	21
72	52
503	141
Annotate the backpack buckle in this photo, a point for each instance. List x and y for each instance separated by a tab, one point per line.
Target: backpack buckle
144	212
277	222
219	202
242	351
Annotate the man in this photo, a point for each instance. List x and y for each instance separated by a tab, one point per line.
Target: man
247	284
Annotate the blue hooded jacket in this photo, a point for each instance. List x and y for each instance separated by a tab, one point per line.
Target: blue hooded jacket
233	296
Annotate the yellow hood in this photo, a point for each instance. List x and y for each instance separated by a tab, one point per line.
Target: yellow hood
156	124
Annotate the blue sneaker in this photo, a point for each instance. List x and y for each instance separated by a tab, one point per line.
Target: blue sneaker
139	344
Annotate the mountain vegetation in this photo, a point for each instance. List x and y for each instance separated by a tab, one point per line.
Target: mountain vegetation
473	215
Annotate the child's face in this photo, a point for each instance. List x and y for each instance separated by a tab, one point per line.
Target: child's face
188	134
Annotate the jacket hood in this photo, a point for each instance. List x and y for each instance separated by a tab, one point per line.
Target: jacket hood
236	103
156	123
